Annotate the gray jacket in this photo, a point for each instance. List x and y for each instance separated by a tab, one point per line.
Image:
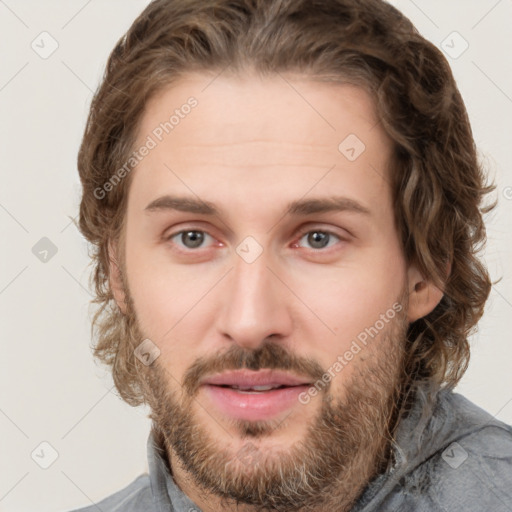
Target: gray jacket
450	456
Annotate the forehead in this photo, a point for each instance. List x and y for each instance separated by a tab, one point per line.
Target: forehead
247	106
248	131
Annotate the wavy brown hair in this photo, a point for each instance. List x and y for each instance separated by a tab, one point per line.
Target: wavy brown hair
438	185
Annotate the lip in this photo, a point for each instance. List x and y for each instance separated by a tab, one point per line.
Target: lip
248	378
253	406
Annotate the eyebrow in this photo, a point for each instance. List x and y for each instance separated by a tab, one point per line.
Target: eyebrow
301	207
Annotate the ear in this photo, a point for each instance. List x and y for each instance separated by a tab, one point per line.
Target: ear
115	280
424	296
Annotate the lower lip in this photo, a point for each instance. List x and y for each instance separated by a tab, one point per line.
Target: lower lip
254	406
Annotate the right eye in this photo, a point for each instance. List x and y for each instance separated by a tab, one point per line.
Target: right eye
189	239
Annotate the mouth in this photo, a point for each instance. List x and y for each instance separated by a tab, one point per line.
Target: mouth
254	395
261	380
255	389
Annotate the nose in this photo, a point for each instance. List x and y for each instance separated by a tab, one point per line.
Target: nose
255	305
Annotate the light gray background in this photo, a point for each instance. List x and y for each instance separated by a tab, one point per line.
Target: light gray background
51	390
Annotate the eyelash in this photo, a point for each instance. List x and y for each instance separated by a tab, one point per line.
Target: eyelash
300	235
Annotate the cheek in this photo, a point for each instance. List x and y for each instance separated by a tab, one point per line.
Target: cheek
361	312
349	299
162	294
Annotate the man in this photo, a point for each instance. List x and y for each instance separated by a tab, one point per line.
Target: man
285	203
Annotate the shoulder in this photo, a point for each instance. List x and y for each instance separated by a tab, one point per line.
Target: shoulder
464	463
133	498
471	468
474	472
476	437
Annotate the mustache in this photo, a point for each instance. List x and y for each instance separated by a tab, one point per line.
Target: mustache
270	355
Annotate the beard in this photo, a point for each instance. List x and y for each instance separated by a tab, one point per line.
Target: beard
343	448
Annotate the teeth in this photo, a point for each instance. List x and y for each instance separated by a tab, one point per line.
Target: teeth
255	388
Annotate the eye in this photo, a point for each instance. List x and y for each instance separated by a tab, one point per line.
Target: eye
189	238
318	239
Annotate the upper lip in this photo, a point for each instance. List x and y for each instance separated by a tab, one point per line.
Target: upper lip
247	378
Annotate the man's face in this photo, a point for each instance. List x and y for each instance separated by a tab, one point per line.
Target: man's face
310	293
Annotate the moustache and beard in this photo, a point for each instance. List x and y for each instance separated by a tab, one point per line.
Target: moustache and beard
342	450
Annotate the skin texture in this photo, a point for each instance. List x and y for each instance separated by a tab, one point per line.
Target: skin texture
251	146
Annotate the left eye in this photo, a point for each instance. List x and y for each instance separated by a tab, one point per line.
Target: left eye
191	238
318	239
